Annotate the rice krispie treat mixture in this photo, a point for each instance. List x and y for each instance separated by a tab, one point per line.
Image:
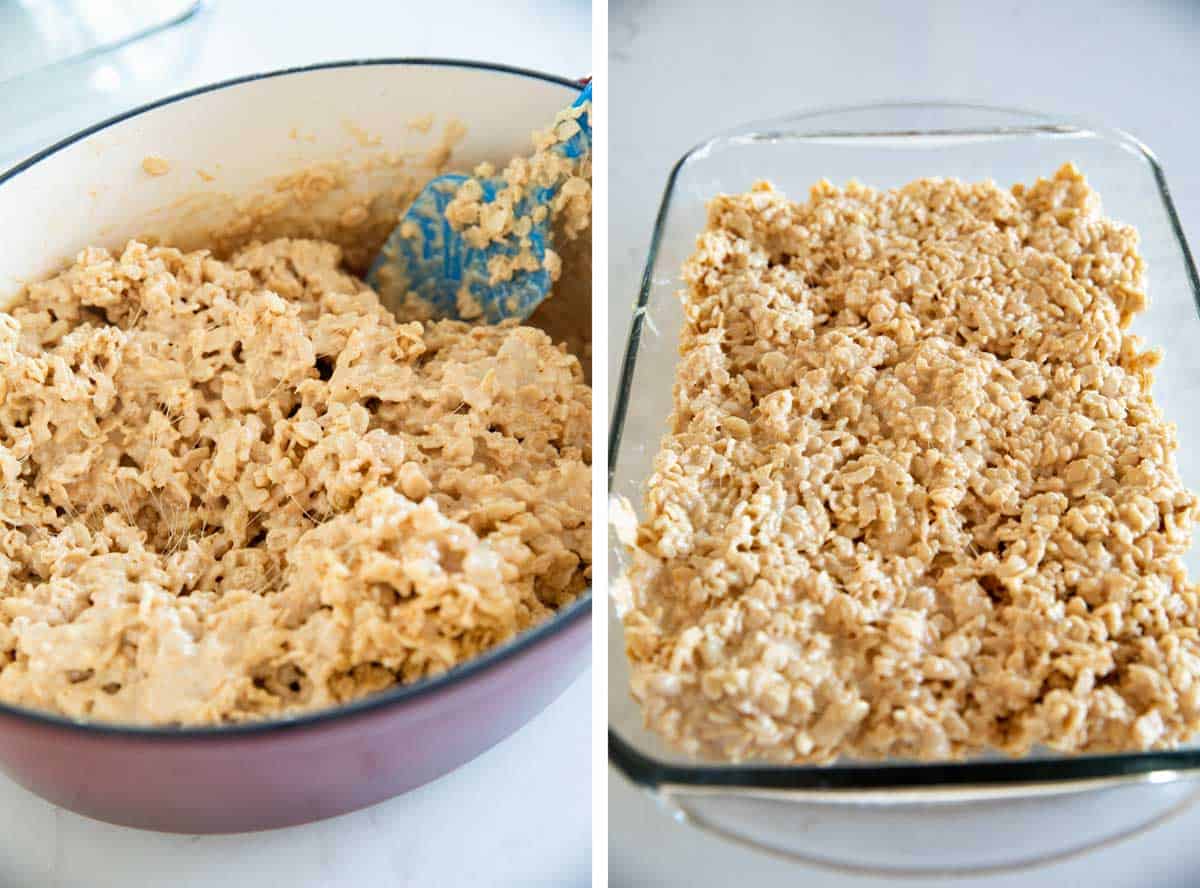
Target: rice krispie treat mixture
916	499
242	488
505	217
500	219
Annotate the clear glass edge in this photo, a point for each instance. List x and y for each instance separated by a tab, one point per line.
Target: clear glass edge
678	810
861	782
97	51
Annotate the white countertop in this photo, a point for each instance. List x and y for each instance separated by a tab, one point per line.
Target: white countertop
681	71
521	813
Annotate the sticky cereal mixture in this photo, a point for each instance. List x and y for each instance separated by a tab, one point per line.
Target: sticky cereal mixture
915	499
154	165
236	489
483	224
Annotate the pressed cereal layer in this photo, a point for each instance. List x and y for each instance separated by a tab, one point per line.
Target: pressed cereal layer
915	499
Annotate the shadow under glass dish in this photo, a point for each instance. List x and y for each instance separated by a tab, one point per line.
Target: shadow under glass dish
987	812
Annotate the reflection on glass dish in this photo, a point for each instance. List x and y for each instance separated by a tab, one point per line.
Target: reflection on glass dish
57	56
900	815
38	33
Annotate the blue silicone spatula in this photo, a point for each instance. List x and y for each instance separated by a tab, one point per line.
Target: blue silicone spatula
425	256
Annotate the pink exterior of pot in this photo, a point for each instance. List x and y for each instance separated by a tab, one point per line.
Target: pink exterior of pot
288	774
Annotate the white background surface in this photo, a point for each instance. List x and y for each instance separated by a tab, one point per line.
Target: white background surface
521	813
680	72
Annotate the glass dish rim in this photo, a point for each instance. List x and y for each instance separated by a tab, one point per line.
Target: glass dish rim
100	50
566	617
1004	776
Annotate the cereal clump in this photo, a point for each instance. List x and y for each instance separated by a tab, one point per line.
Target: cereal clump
916	499
486	222
237	489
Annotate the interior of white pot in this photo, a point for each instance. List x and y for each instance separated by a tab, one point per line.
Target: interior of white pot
330	152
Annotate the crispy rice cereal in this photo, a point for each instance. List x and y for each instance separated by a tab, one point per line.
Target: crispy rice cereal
236	489
483	224
500	219
916	499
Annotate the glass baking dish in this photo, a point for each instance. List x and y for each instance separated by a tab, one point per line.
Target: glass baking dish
64	62
984	813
